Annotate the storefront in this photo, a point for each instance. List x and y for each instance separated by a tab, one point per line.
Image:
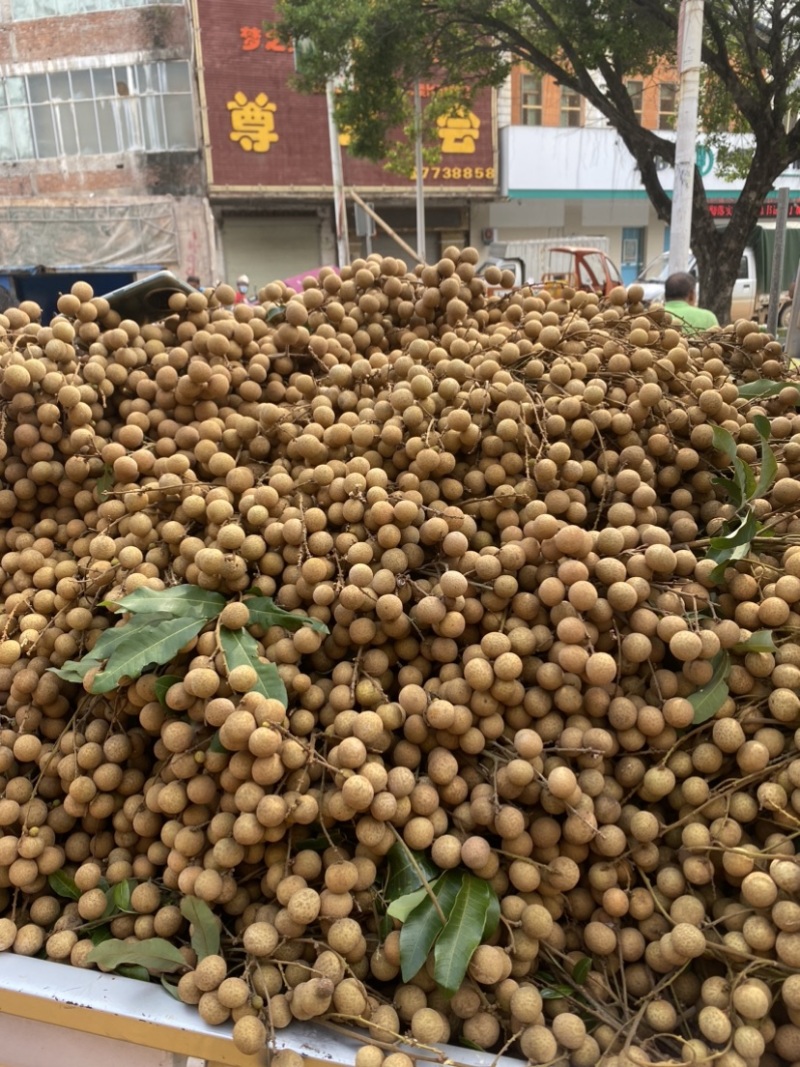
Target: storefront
268	157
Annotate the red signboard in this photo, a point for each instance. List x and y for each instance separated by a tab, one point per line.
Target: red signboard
264	136
723	209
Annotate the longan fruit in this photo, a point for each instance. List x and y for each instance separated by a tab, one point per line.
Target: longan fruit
249	1035
210	973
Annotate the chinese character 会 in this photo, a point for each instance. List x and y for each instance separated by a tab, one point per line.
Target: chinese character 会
252	122
459	132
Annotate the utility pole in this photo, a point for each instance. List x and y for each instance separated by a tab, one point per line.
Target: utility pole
418	167
690	45
339	202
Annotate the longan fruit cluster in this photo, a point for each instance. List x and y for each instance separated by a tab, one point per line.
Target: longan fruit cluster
499	509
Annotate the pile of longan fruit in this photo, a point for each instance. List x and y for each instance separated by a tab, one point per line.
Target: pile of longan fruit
501	509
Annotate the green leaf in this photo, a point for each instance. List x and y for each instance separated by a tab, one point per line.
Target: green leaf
104	483
744	477
215	745
111	904
178	600
134	970
155	954
492	917
742	534
403	876
769	464
121	893
556	992
385	927
764	387
462	932
580	972
239	649
423	925
63	886
149	639
274	313
760	641
733	490
264	612
466	1043
100	934
163	685
205	932
401	908
708	700
170	988
723	442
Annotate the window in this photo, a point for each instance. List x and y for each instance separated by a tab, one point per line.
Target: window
667	105
570	107
635	92
26	10
531	99
145	108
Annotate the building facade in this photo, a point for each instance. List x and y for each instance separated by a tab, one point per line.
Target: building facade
564	170
101	167
269	158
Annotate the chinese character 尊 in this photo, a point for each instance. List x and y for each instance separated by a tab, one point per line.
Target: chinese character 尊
251	38
459	132
252	122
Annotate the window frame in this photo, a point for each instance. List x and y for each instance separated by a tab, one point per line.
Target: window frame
535	110
112	121
662	112
570	110
634	94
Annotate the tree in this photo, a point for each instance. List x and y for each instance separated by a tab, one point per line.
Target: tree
751	81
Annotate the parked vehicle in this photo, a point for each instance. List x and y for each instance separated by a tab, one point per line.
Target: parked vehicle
44	284
580	262
750	299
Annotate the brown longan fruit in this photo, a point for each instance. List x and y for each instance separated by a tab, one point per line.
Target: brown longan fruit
249	1035
429	1026
210	973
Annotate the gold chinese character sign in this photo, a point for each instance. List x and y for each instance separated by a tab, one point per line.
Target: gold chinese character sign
459	132
252	122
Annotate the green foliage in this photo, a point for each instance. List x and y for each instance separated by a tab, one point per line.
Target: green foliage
161	622
405	868
177	600
765	387
63	886
735	539
468	923
155	955
451	914
241	649
264	612
205	928
760	641
708	700
163	685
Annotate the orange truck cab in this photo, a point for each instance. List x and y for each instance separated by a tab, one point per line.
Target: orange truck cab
588	269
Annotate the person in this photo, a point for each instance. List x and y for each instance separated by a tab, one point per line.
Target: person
242	288
680	300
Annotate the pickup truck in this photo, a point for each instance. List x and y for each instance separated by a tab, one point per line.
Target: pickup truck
750	298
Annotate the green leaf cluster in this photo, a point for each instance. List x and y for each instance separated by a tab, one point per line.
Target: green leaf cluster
160	622
452	913
742	488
